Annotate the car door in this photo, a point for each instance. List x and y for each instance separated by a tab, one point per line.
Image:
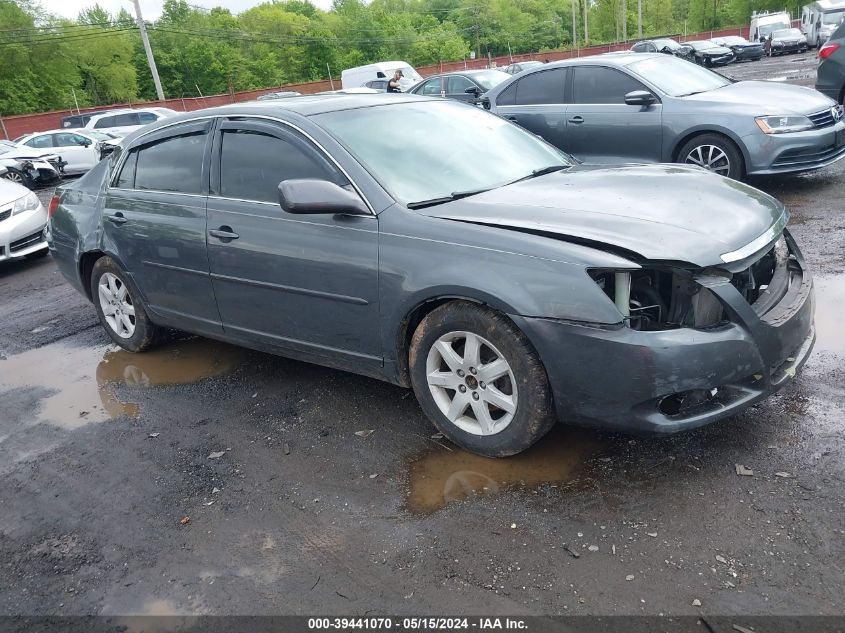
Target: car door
431	88
601	127
537	102
457	86
154	222
307	283
76	150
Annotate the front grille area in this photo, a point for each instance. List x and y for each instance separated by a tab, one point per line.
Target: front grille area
4	215
29	240
822	119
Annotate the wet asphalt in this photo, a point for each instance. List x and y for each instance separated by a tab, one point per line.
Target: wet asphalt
205	479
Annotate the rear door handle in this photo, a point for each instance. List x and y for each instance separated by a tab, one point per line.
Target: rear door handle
224	233
576	119
117	218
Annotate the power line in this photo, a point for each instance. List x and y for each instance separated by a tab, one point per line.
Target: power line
63	38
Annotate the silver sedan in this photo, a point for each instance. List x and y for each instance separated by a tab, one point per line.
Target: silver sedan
22	222
622	108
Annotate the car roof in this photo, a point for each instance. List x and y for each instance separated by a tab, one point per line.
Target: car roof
620	58
62	130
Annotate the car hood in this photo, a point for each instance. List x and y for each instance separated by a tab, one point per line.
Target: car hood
767	97
716	50
656	212
27	152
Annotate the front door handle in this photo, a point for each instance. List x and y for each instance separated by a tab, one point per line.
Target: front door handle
117	218
576	119
224	233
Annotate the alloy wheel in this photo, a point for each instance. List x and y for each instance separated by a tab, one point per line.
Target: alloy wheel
710	157
14	177
116	304
472	383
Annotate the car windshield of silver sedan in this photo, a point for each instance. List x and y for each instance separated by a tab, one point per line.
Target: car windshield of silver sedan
446	151
676	77
787	33
490	78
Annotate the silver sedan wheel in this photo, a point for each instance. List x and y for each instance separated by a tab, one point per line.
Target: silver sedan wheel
116	305
710	157
14	177
471	383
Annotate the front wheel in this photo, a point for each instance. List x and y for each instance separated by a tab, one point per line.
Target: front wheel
479	379
715	153
19	177
121	308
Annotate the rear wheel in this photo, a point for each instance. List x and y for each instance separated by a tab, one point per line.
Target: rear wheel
715	153
121	308
478	378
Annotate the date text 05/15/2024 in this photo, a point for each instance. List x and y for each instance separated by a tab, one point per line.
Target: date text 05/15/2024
416	623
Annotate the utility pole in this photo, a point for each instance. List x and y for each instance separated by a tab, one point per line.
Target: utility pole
586	25
574	26
150	59
640	19
624	20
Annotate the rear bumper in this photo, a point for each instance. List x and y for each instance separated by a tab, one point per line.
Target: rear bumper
628	380
794	152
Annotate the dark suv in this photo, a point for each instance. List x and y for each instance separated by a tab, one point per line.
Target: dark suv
830	79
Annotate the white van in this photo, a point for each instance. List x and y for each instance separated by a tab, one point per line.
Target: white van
820	19
763	24
357	77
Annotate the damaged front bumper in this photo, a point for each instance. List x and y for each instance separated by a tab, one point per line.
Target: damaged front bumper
676	379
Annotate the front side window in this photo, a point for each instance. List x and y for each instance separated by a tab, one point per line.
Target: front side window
542	87
66	139
596	84
431	87
252	164
126	178
457	85
172	164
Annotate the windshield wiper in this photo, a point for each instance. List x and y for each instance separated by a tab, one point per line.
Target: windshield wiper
457	195
541	172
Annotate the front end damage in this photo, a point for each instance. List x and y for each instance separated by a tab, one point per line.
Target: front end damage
695	344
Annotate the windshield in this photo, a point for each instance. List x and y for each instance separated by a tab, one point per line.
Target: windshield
490	78
766	29
670	44
787	33
445	147
702	45
675	77
833	17
7	146
100	136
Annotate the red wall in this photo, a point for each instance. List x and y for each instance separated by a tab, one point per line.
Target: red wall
15	126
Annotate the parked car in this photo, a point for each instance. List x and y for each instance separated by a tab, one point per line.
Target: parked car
123	122
788	41
80	149
22	222
819	20
707	53
764	23
283	94
664	45
30	167
742	49
517	67
361	75
471	261
830	78
379	85
463	85
650	107
78	120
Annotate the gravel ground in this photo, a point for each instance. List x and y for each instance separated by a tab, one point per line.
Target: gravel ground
204	479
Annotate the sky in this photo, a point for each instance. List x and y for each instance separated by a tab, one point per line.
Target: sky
151	9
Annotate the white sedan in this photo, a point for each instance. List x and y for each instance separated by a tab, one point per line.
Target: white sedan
80	149
22	222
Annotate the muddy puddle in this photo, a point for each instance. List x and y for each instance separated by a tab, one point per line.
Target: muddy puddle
441	476
82	380
830	326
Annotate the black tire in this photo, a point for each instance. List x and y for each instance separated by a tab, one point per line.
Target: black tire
736	167
19	177
534	413
146	333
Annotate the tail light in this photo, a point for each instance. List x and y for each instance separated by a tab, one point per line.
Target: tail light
54	204
827	50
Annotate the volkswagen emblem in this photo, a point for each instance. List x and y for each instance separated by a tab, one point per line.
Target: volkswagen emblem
836	111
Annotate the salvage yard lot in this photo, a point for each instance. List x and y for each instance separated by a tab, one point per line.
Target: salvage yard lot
202	478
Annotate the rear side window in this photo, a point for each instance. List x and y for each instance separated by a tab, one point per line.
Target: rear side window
106	121
508	95
252	165
541	87
126	178
596	84
173	164
45	140
457	85
146	117
130	118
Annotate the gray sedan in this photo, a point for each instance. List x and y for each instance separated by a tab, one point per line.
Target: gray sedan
622	108
507	284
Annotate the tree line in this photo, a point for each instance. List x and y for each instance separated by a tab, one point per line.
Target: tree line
50	63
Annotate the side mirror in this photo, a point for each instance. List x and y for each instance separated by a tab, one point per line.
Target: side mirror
85	143
307	196
640	98
474	91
